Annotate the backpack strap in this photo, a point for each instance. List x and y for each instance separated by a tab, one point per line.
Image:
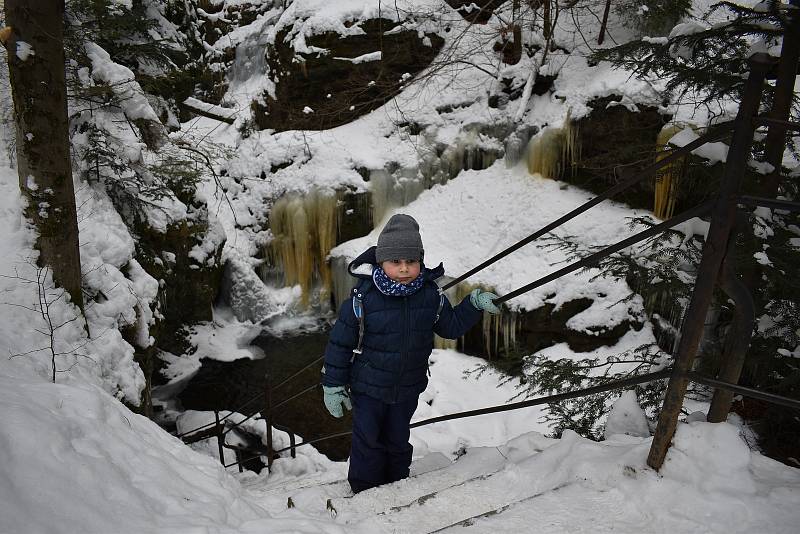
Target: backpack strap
441	304
358	310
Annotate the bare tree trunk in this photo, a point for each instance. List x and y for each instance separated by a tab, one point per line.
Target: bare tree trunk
782	103
546	30
604	24
36	68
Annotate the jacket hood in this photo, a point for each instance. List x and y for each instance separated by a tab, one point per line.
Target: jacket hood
368	258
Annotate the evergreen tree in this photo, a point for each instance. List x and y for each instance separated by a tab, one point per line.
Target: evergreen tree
701	60
652	17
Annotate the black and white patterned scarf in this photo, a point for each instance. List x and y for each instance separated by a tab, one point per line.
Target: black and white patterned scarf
387	286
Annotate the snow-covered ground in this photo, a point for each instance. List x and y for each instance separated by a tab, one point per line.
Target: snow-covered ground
73	458
76	460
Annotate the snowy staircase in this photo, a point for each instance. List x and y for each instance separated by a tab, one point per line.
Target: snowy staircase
438	495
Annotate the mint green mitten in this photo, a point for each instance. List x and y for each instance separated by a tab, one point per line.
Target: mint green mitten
483	301
334	397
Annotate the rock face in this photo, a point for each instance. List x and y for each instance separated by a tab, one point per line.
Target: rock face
616	143
343	77
186	261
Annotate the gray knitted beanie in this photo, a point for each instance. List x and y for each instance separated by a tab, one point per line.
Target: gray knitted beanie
399	240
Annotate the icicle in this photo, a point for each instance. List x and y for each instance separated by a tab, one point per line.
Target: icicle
394	190
498	332
488	157
544	153
442	343
553	150
571	151
324	225
430	166
667	178
304	231
516	144
452	160
513	150
341	280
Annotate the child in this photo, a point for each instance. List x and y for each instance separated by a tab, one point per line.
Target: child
383	357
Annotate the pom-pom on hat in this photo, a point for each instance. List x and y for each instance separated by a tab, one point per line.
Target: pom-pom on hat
399	240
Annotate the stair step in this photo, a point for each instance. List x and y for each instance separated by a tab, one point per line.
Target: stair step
469	521
459	504
477	464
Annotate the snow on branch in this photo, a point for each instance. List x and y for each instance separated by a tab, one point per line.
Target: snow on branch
122	81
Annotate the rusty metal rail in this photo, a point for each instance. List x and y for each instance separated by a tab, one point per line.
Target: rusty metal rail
744	390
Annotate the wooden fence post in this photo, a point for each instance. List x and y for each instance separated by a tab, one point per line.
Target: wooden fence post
722	221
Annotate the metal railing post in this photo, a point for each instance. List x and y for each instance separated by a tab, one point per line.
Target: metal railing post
722	221
292	441
239	460
268	419
220	437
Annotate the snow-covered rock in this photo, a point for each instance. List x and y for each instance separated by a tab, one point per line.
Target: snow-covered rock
627	417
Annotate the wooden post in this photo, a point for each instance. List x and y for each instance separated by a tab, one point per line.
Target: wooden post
751	273
737	340
722	220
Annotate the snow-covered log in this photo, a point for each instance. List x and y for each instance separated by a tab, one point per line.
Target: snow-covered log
211	111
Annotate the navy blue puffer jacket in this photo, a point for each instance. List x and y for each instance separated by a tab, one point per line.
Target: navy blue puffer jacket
398	337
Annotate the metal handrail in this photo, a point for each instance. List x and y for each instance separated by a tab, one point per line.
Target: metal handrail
616	384
266	415
772	203
721	130
238	410
658	375
744	390
209	425
301	393
298	373
768	121
611	249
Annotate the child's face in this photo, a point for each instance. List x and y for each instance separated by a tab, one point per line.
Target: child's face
401	271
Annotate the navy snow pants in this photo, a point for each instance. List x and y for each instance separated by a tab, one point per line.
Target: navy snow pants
380	451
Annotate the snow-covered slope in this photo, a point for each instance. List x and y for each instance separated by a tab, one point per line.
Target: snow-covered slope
73	459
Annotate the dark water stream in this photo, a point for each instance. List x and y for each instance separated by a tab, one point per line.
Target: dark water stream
230	385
